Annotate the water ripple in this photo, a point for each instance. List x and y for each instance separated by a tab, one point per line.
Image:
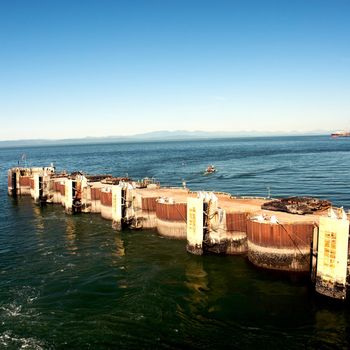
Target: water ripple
73	282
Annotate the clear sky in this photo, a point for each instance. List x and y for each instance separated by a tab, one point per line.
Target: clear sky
98	68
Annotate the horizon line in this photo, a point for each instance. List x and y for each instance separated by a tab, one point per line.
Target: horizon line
181	133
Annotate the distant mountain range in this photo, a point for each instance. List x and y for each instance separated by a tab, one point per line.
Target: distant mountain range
162	135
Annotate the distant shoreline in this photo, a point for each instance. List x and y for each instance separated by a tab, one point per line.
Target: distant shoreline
147	138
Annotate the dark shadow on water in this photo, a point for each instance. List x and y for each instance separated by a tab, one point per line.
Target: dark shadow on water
297	278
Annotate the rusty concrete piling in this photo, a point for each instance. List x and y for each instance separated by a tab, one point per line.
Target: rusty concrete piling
171	218
145	210
106	203
273	235
278	245
236	228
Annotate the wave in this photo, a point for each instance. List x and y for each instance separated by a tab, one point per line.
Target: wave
8	340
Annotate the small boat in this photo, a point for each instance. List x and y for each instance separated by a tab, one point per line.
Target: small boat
210	169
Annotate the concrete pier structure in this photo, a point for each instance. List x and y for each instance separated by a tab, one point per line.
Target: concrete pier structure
210	222
19	179
163	209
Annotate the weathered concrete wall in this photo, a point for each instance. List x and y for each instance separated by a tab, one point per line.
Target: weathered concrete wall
62	188
280	246
237	243
57	197
172	229
24	185
279	259
86	202
145	210
106	203
95	199
172	219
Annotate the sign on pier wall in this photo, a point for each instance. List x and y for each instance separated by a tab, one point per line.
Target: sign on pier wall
194	225
332	257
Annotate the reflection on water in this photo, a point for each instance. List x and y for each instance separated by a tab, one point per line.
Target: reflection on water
71	235
197	283
119	246
39	220
118	252
331	329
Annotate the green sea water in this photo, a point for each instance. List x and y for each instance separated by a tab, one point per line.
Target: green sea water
72	282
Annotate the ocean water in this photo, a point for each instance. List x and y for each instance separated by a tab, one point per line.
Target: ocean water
71	282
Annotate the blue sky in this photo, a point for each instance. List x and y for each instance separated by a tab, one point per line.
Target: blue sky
99	68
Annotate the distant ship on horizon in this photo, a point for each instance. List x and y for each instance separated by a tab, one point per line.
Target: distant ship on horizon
341	134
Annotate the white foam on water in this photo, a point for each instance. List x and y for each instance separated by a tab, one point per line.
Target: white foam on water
12	310
9	340
20	305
